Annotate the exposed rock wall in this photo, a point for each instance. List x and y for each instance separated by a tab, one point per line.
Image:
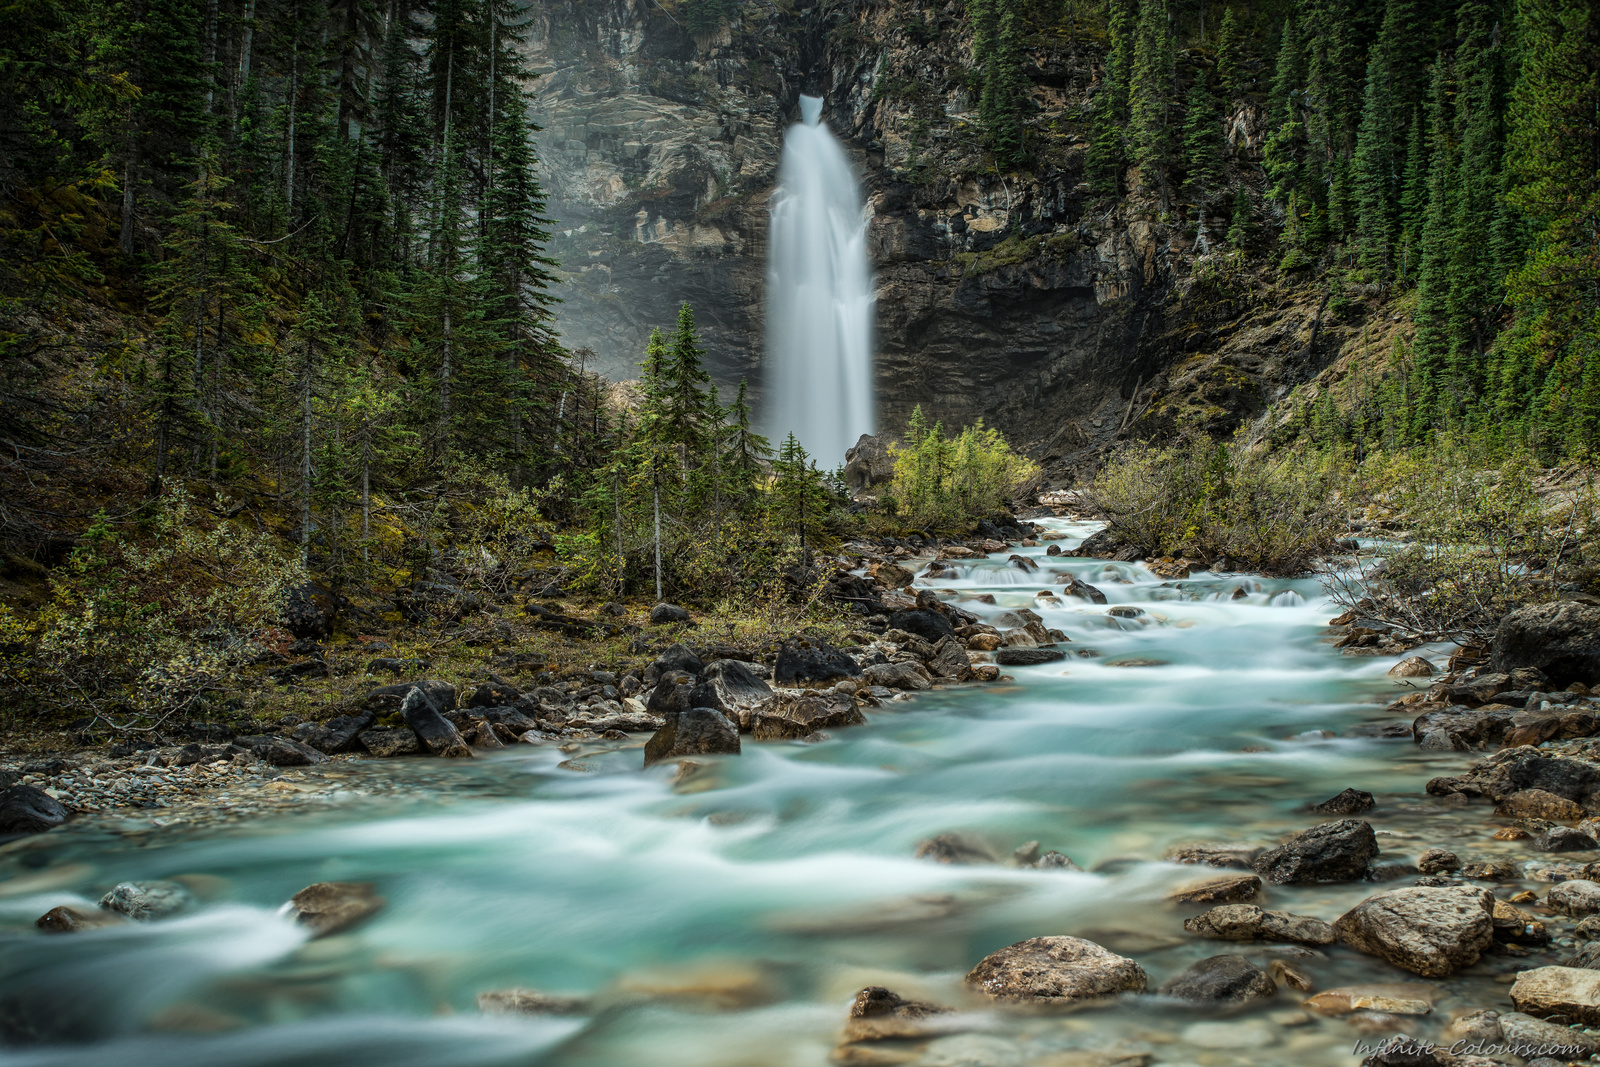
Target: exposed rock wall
1017	298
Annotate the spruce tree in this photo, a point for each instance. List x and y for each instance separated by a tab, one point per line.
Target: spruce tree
1202	142
1150	95
1106	152
1229	72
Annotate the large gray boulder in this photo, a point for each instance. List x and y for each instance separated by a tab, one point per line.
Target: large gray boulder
1248	922
1512	770
692	732
26	810
435	731
1332	852
1227	979
1048	971
338	734
1561	639
279	751
386	699
733	689
787	717
868	462
1431	931
811	659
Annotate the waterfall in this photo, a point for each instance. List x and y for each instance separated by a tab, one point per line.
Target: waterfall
819	297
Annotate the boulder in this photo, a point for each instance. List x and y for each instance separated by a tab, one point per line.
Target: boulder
69	920
662	614
931	626
386	699
1412	667
1218	891
1081	589
493	694
1226	979
1048	971
1539	804
788	718
1565	839
26	810
1522	1029
330	907
677	657
1349	802
1570	993
950	660
868	462
692	732
338	734
811	659
147	900
385	742
896	676
891	574
673	692
280	751
1515	769
1437	861
954	848
1212	854
437	733
532	1002
1576	897
1429	931
733	689
1027	657
1247	922
1459	728
1333	852
878	1014
1561	639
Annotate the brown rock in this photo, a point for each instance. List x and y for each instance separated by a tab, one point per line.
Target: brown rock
1247	922
531	1002
1208	854
954	848
1393	998
1538	804
878	1014
69	920
1431	931
1438	860
1219	891
1412	667
1055	970
329	907
1577	897
1571	993
983	642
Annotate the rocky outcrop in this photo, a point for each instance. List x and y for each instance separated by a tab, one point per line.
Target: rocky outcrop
1429	931
1560	639
1016	297
1046	971
1333	852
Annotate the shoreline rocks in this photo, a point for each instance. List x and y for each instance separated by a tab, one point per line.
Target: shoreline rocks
1431	931
1332	852
1045	971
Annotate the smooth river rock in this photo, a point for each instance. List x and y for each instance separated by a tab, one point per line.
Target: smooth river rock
147	900
1573	993
26	810
330	907
1027	657
1333	852
1229	979
1431	931
1576	897
1247	922
693	732
1056	970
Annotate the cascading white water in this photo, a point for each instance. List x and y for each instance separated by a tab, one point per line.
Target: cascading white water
819	297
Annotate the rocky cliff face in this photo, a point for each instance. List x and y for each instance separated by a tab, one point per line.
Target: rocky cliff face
1018	298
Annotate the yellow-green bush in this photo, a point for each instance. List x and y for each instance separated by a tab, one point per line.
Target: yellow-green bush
943	483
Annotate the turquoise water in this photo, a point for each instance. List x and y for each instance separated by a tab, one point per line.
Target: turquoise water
728	919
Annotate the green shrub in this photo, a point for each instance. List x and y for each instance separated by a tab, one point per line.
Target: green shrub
1479	541
945	483
1205	500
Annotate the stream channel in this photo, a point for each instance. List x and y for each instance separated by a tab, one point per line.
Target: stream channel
728	919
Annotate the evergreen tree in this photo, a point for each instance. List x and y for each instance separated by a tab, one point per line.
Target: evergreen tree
1229	73
1150	95
1006	90
1202	142
1105	157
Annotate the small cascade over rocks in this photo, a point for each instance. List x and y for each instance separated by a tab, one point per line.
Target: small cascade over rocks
820	302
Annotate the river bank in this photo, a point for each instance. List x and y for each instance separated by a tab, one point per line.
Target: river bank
731	915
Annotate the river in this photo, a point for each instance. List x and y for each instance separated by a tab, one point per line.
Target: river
726	920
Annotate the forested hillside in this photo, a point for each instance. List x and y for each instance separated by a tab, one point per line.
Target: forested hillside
297	253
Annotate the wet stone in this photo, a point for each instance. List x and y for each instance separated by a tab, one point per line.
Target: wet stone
1333	852
1437	860
1349	802
147	900
390	742
332	907
693	732
1227	978
1539	804
1565	839
69	920
1433	932
1570	993
1247	922
1219	891
879	1014
1208	854
532	1002
1055	970
27	810
1576	897
954	848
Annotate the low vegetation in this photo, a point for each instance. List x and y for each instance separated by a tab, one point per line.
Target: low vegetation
1208	501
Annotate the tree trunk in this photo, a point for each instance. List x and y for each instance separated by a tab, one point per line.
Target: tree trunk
656	495
288	183
125	238
246	44
208	54
616	504
366	489
305	459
